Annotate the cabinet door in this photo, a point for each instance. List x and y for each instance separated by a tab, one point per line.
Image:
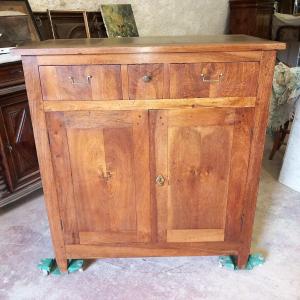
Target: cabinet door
200	161
18	140
101	166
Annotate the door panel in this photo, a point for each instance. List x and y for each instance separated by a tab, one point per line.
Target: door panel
193	155
198	164
109	166
19	144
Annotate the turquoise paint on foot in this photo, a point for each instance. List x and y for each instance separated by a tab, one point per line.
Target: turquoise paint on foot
254	260
49	266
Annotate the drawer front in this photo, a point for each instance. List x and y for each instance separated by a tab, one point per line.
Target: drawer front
83	82
145	81
213	80
11	74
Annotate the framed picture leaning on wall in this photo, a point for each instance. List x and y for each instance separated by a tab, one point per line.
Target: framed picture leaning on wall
119	20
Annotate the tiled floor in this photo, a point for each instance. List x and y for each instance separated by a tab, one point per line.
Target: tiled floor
24	239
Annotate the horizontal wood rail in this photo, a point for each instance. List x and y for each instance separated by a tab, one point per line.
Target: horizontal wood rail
142	250
251	56
65	105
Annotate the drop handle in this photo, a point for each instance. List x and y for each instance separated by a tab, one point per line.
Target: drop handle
147	78
206	78
160	180
86	81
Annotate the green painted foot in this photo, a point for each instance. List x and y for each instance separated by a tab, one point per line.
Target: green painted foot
49	266
46	265
254	260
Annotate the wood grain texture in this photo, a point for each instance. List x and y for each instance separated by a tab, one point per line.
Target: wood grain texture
139	88
81	82
19	169
152	250
195	235
196	177
69	105
150	58
240	153
11	74
149	45
63	174
203	186
124	74
213	80
104	157
96	238
169	168
252	17
44	157
18	153
256	152
159	139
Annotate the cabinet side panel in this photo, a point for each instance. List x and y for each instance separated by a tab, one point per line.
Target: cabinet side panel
44	157
257	146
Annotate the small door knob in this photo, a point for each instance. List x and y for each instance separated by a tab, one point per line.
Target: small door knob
147	78
160	180
9	147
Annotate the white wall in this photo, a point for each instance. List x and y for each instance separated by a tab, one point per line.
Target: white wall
159	17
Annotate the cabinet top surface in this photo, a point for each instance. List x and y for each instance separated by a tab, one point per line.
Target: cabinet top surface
148	45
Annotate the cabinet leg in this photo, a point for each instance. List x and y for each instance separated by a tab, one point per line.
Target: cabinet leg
62	264
242	259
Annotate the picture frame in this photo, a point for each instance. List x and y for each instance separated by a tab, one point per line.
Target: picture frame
119	20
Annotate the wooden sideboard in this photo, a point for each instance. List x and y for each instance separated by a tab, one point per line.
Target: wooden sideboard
252	17
150	146
19	170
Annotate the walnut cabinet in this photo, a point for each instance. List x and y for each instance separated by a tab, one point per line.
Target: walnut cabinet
19	169
150	146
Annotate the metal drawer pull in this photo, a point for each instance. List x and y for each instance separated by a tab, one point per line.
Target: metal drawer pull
87	81
206	79
147	78
160	180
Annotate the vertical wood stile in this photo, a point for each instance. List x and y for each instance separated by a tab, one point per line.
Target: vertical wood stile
124	75
256	153
44	156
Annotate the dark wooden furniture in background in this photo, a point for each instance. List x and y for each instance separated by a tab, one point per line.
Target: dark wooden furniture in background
19	171
150	146
69	24
252	17
289	7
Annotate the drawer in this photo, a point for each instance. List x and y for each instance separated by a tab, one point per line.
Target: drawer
83	82
11	74
145	81
213	80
